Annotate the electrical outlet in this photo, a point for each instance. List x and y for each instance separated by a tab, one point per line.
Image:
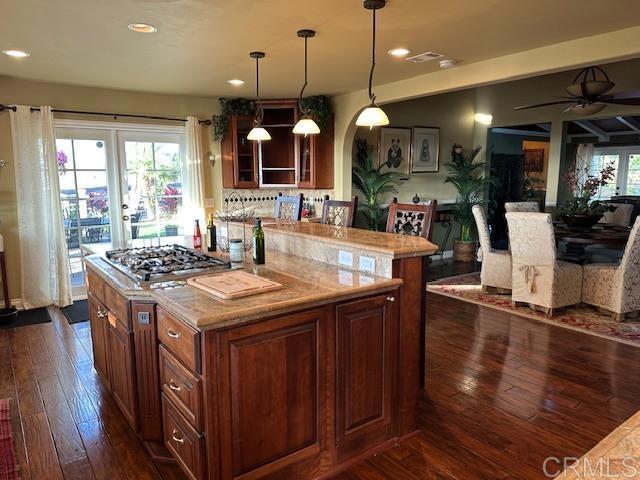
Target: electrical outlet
345	258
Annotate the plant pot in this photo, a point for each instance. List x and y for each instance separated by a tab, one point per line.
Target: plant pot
582	222
464	251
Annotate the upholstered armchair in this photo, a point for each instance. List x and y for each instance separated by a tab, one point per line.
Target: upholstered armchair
616	288
521	207
538	278
496	264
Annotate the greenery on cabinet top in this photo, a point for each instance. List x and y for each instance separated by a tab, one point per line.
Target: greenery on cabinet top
318	107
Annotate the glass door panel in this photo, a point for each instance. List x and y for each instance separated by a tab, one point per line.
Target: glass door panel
601	160
632	186
304	159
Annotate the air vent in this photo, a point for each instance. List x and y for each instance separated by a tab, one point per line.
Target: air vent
424	57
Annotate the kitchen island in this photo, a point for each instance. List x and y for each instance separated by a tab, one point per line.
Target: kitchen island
293	383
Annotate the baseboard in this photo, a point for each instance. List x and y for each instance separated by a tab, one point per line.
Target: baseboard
445	254
17	302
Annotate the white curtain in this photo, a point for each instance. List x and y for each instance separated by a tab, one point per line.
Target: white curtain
584	155
193	189
43	251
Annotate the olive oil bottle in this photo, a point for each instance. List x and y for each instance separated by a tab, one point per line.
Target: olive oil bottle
258	243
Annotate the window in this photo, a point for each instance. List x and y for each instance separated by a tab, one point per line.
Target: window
627	174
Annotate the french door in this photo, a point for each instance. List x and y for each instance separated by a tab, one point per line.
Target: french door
117	184
626	161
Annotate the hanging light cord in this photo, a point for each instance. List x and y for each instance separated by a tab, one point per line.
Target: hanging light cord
259	113
372	97
302	110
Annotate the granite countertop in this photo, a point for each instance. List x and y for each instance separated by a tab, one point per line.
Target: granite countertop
306	284
393	245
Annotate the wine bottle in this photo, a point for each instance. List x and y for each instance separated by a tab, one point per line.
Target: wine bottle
258	243
197	235
211	234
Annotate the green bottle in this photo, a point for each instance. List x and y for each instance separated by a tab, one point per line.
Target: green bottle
258	243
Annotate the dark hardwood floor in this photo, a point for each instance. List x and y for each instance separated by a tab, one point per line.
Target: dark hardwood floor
503	393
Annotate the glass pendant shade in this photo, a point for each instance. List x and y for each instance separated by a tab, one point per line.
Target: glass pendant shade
372	116
588	109
258	134
306	126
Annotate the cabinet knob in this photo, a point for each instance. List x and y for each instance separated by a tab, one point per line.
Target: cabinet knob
173	334
391	299
174	438
101	313
173	386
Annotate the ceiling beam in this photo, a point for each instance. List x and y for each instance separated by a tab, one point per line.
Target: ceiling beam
544	126
524	133
590	127
630	122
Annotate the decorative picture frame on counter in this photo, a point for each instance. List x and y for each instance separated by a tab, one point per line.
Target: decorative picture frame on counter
425	150
394	150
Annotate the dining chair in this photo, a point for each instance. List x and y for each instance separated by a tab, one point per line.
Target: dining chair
620	216
340	213
495	273
521	207
616	288
412	219
289	209
539	279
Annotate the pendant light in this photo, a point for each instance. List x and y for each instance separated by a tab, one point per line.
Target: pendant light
373	115
257	133
305	126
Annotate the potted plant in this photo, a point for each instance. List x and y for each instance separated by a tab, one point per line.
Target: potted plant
467	176
581	210
169	209
372	182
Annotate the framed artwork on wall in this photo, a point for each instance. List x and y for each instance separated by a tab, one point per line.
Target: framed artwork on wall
394	150
533	160
425	149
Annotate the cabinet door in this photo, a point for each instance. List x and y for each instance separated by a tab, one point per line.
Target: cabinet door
305	158
99	337
239	155
366	339
122	371
273	386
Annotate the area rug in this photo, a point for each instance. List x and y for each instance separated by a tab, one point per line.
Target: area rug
8	463
77	312
582	318
27	317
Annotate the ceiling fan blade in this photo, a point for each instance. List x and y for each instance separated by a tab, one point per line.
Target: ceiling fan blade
621	101
524	107
632	94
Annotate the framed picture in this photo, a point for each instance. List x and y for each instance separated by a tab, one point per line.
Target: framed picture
534	160
394	150
425	149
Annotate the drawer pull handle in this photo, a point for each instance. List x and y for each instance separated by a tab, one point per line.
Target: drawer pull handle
173	386
176	439
101	313
173	334
391	299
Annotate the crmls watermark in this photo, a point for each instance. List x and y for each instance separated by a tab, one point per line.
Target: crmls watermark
603	468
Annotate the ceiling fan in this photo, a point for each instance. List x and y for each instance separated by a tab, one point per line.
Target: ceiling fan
588	94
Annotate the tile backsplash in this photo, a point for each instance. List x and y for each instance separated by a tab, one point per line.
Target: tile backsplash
264	201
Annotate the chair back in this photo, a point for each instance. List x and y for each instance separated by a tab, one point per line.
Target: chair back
483	228
620	216
521	207
289	208
340	213
531	238
630	264
410	219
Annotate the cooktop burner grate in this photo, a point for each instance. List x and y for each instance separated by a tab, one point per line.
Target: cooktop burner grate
150	263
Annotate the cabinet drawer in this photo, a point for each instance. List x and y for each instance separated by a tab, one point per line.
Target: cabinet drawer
182	387
95	285
184	443
182	340
118	305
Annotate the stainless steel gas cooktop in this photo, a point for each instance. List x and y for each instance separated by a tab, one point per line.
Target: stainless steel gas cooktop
161	263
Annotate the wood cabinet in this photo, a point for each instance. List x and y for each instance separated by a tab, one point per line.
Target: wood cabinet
287	160
367	347
123	380
99	337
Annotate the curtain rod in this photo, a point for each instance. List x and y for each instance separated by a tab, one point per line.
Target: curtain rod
114	115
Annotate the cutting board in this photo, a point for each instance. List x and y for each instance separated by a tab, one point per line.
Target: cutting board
234	284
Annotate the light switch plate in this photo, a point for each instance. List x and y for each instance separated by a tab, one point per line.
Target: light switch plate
367	264
345	258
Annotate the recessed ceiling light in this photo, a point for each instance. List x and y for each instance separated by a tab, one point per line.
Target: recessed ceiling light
16	53
399	52
236	82
142	28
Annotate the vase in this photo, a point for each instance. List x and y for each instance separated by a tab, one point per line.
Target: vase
583	222
464	251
